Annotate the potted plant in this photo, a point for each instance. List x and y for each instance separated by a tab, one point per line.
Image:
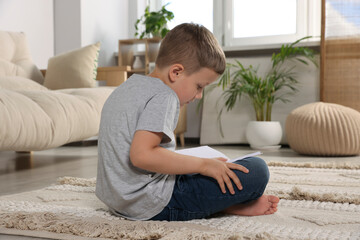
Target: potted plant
263	91
155	23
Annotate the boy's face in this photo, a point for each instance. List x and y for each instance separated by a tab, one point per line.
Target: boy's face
190	87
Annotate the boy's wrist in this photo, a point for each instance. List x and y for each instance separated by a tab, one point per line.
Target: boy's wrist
202	165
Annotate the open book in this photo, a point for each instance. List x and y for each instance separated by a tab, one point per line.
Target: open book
208	152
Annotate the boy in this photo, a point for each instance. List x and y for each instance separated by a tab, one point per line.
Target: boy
140	177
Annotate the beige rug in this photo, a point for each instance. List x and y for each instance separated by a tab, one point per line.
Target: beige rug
316	203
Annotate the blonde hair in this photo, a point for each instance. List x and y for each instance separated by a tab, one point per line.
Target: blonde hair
193	46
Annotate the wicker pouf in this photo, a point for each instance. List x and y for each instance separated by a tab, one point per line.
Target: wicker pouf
324	129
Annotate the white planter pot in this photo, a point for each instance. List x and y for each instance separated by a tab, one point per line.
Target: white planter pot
264	135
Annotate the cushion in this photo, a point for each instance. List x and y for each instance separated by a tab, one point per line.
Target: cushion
19	83
324	129
15	59
38	120
74	69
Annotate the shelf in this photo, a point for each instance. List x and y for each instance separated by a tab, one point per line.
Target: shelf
139	70
129	47
138	41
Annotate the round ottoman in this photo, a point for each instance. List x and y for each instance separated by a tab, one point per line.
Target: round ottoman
324	129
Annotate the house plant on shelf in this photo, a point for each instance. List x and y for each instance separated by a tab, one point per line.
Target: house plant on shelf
278	84
155	23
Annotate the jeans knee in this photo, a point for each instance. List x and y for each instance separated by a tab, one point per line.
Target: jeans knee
258	172
262	169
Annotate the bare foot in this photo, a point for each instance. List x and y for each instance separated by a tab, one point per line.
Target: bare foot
265	205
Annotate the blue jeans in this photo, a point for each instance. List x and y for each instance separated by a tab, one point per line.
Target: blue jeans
197	196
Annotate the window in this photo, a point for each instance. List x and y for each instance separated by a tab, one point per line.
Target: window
342	18
247	24
264	22
196	11
250	20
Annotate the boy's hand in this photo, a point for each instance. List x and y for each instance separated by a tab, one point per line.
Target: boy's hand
219	169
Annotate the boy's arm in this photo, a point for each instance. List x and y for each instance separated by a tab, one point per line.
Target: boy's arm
145	153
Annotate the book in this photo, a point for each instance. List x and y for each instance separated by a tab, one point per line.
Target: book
208	152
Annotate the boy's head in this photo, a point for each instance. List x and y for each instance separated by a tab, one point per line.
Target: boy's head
192	46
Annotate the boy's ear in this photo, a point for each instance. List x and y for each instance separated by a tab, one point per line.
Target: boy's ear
175	71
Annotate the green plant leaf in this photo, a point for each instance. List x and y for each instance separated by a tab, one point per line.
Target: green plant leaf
155	22
279	83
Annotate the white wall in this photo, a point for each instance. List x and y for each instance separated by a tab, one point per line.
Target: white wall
105	22
83	22
193	120
36	19
136	10
67	24
56	26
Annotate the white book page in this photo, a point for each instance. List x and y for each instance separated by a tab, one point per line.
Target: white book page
245	156
203	152
208	152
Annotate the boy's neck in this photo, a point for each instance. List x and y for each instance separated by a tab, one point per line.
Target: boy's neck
162	75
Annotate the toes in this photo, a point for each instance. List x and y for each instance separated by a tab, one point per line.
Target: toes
273	199
270	211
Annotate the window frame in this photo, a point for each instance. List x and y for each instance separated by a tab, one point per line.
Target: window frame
308	24
230	40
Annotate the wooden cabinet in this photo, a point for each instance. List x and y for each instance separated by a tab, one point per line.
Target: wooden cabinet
114	76
128	48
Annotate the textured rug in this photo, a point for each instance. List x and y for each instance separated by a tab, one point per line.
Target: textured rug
317	202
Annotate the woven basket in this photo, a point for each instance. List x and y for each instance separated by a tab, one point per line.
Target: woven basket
324	129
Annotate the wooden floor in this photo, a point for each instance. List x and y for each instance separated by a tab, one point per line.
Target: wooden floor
25	172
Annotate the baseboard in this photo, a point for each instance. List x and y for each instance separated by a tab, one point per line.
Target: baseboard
190	141
84	143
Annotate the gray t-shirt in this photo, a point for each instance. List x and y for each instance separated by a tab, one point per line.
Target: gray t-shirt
141	103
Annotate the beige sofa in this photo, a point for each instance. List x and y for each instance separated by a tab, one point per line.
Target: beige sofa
32	117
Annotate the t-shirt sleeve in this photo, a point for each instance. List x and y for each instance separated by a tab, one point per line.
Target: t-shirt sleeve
160	114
